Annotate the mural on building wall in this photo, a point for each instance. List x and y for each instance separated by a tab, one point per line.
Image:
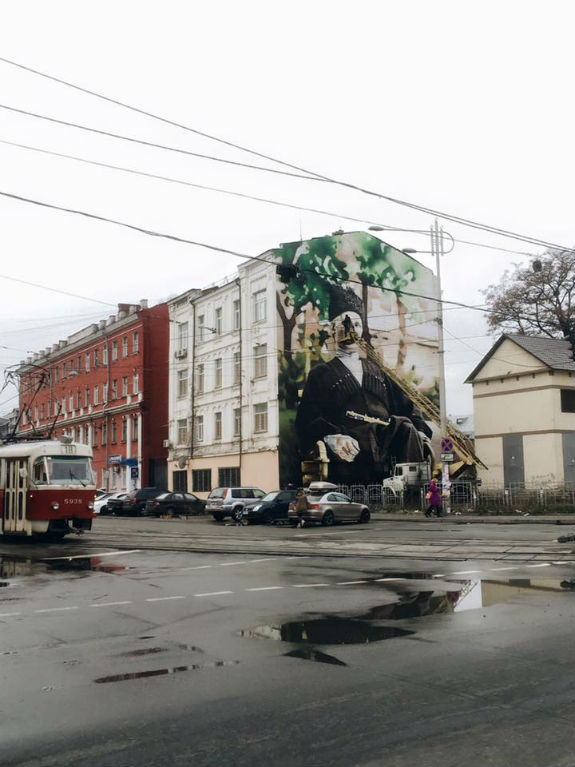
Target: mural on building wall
350	302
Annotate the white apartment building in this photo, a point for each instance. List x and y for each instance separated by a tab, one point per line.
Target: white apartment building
223	414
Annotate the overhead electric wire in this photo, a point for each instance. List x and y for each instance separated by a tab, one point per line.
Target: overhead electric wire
317	176
54	290
219	190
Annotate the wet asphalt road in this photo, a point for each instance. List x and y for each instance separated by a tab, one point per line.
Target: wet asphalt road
148	657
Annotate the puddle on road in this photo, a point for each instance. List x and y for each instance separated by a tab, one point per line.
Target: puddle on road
22	567
308	653
163	671
331	631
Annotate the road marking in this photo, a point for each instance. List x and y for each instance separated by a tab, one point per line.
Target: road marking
266	588
379	580
563	563
349	583
494	569
101	554
56	609
112	604
298	557
213	593
9	615
197	567
438	575
543	564
229	564
308	585
161	599
465	572
265	559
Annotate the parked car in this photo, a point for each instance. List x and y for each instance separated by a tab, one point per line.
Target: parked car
112	503
273	506
134	503
100	501
173	504
231	501
327	505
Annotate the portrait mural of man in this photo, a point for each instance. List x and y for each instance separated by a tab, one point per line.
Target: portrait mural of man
340	309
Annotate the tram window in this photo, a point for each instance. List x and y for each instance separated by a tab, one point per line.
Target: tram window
39	474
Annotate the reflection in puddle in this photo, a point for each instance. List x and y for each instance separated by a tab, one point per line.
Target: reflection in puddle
142	651
20	567
332	631
308	653
163	671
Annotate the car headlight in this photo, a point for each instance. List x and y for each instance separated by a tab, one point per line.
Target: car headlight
257	507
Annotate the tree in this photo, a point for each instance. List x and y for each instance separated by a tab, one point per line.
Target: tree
538	299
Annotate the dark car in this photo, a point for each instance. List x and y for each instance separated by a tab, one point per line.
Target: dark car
272	507
135	502
114	504
173	504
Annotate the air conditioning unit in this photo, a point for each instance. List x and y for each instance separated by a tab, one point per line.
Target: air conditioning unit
167	443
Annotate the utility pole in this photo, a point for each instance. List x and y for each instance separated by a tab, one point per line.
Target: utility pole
437	249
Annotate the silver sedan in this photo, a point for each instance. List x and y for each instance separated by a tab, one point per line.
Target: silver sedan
330	507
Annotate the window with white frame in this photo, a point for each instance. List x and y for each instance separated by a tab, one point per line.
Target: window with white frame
114	438
125	346
237	421
115	388
199	427
260	361
182	337
104	434
200	379
87	363
261	417
114	351
86	435
135	383
237	368
124	386
218	321
217	426
94	435
96	395
182	383
96	358
236	314
218	373
105	392
86	396
105	354
124	429
135	343
78	399
182	436
63	404
201	328
260	306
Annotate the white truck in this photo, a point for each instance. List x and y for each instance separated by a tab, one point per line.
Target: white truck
407	478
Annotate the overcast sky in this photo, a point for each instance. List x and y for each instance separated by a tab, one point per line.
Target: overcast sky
463	107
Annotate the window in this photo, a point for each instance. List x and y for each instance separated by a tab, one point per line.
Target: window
236	314
218	322
125	386
42	412
180	480
237	421
261	361
86	396
199	426
228	476
124	429
217	425
96	395
63	404
218	373
201	328
237	368
78	432
114	351
125	346
96	358
115	388
64	372
136	383
114	432
201	480
134	429
261	417
568	400
260	306
182	427
55	407
105	392
104	434
70	403
78	399
79	366
56	373
135	343
87	363
183	383
105	354
86	435
182	339
201	379
94	436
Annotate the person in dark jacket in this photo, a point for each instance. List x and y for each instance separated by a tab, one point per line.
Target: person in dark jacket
359	452
301	506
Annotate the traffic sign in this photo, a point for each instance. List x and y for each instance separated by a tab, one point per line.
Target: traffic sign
446	445
447	457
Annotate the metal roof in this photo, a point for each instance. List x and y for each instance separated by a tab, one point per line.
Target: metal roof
554	353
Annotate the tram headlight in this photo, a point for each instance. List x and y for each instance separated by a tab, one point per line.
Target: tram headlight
90	505
55	505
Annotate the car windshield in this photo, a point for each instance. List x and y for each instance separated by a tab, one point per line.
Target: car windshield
217	493
63	470
271	496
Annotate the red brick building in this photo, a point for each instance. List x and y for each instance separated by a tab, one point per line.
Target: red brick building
107	386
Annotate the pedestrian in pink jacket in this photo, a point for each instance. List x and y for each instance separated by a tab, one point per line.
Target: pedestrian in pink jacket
433	495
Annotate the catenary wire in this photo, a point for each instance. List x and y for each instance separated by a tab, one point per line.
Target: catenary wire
317	176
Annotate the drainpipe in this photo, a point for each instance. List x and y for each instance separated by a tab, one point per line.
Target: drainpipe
238	282
193	392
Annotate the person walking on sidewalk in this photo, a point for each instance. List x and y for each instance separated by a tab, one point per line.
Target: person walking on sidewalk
301	506
433	495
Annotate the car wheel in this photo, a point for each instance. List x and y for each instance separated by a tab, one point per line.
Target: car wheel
364	517
328	519
237	514
218	517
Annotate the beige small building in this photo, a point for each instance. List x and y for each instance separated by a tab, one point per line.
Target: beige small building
524	412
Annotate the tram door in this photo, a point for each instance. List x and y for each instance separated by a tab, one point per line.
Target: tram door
14	518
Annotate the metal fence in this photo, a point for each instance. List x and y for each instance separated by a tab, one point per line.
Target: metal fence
467	496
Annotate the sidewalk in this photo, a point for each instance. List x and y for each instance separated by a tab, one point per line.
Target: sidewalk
460	518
